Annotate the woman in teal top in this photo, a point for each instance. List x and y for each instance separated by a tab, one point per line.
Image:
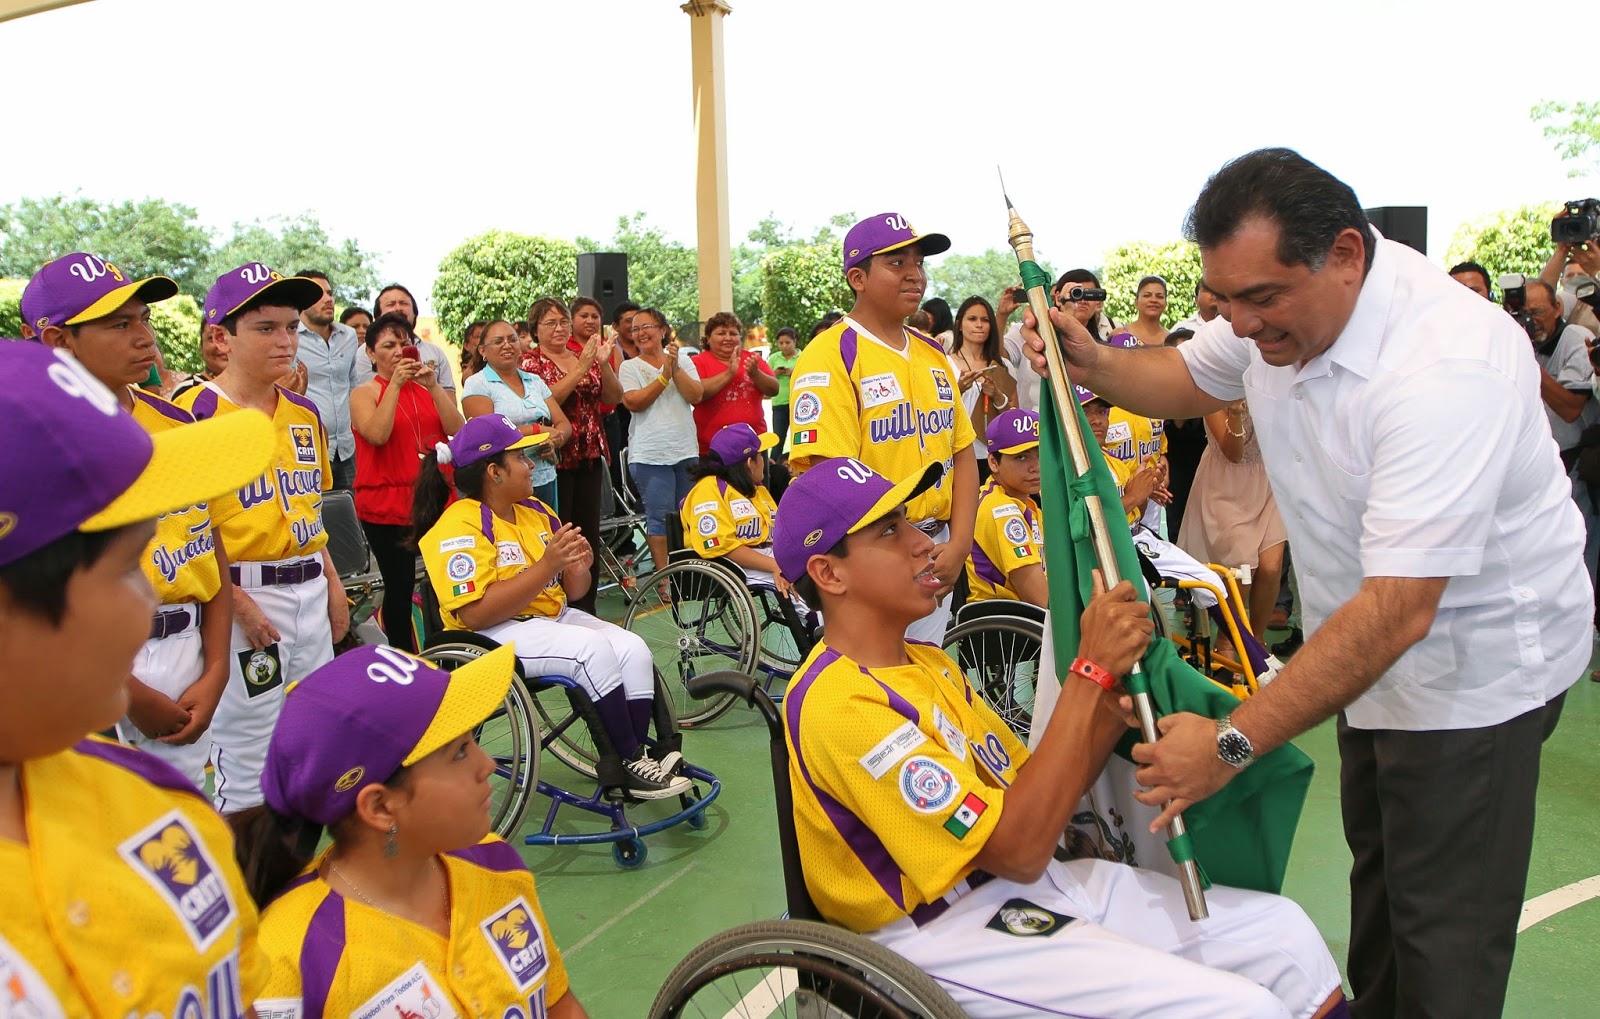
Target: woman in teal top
502	387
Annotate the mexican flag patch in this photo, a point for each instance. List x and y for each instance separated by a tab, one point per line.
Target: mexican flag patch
1020	553
710	543
809	435
461	589
966	816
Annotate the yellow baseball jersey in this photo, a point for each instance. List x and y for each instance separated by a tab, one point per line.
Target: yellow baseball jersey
126	900
1122	471
899	777
278	515
893	410
339	957
181	562
1135	439
1009	535
718	518
471	548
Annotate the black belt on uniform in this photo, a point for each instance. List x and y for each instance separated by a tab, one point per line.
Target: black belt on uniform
282	576
172	621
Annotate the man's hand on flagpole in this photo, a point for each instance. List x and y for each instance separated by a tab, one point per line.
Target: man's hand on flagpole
1079	348
1181	768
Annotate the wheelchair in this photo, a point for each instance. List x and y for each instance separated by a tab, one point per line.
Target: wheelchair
797	966
553	712
997	643
701	616
1238	674
347	545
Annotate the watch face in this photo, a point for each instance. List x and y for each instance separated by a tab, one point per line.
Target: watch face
1233	748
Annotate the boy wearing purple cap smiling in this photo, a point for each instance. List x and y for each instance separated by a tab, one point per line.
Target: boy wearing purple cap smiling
85	305
873	389
288	604
1007	558
923	823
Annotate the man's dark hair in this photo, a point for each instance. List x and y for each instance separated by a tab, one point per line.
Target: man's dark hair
806	588
1547	288
1461	267
316	274
37	582
1309	205
416	308
621	310
261	300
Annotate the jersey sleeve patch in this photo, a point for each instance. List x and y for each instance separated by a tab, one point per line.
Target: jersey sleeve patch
1016	530
926	785
892	749
518	942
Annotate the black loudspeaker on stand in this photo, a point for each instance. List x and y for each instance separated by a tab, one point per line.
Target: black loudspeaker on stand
603	275
1407	224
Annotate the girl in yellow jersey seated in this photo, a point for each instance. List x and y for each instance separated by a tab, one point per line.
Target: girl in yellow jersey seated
415	909
503	565
728	512
121	893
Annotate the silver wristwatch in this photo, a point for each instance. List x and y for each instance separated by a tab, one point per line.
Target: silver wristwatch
1233	746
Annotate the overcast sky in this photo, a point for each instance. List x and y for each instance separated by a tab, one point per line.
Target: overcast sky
412	126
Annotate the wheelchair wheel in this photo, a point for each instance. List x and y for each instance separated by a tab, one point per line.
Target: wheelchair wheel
999	655
781	650
508	736
799	968
697	618
562	732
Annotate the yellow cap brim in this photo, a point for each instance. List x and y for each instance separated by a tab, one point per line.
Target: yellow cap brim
476	691
149	290
190	465
901	493
768	440
530	440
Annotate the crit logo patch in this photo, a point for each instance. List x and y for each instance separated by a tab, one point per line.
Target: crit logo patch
926	784
518	942
941	385
170	856
305	444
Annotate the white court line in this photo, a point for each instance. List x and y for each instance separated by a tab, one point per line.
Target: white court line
646	897
765	998
1542	907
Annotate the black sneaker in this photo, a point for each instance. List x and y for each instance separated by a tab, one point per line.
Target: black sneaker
1285	648
647	780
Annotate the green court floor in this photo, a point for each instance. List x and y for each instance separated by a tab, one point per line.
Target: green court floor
623	931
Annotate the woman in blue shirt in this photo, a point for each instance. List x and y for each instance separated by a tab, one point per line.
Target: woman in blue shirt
502	387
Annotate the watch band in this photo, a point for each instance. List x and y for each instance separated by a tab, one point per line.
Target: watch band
1093	673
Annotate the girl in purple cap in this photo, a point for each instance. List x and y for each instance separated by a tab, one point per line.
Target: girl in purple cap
503	565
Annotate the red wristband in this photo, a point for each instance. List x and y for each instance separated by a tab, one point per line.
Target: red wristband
1093	673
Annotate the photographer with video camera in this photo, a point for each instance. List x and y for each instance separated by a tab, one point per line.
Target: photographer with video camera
1574	229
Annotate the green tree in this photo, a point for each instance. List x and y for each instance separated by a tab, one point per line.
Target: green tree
1574	129
800	284
292	243
958	277
1177	262
11	308
1511	240
662	273
149	237
176	323
500	275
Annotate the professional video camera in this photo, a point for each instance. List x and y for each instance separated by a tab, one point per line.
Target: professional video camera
1579	222
1514	298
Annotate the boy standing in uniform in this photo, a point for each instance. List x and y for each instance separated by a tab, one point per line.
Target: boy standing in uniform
872	389
288	604
1007	558
924	824
85	305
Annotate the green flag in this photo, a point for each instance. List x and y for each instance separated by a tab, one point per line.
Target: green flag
1243	833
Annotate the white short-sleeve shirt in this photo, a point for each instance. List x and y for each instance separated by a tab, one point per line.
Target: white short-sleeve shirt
1417	446
663	433
1568	363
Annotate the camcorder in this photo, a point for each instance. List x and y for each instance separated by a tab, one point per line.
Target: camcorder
1578	222
1514	299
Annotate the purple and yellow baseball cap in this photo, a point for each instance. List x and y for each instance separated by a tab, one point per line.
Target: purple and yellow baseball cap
86	465
740	442
1083	395
837	497
365	715
887	231
483	437
1015	431
1126	341
238	287
80	287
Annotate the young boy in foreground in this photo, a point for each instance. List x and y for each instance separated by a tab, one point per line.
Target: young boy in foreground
925	825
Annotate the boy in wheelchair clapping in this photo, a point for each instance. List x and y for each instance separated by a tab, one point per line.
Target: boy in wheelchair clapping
923	823
1007	559
503	565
